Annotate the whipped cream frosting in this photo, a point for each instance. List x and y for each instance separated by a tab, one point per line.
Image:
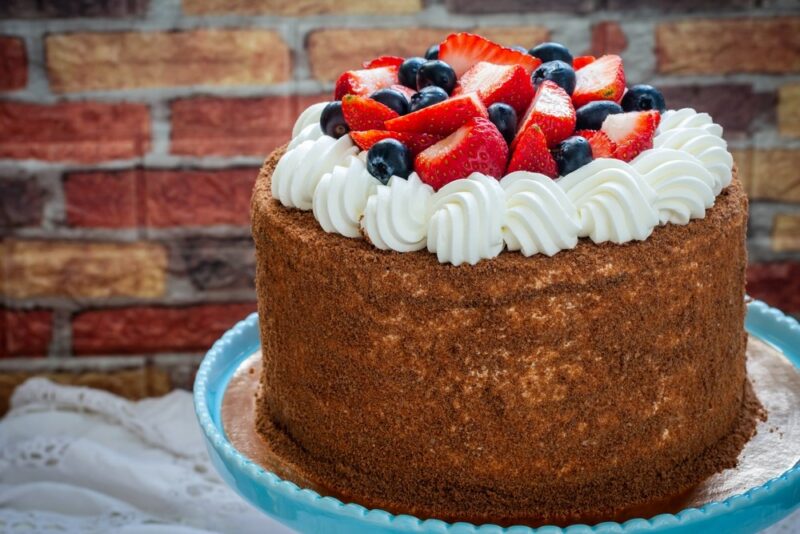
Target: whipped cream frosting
476	217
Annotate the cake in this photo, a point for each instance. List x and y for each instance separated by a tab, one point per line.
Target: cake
502	286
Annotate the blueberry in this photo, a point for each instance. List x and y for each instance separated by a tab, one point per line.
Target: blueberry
643	98
428	96
572	153
557	71
388	158
551	52
432	52
332	120
592	115
393	99
408	71
505	118
435	72
519	48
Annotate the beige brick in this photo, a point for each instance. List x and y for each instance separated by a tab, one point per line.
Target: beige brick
757	45
527	36
300	8
744	165
789	110
73	269
120	60
786	233
775	175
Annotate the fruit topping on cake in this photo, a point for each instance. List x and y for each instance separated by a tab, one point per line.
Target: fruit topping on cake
442	118
362	113
552	110
387	158
631	132
572	153
416	142
531	154
602	79
602	146
643	98
463	50
507	84
366	81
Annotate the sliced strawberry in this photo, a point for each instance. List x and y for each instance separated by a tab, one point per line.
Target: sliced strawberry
632	132
365	82
552	110
407	91
581	61
443	118
363	113
509	84
602	145
463	50
530	153
384	61
416	142
603	79
477	146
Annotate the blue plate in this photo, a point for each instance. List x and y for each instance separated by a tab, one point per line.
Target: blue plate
307	511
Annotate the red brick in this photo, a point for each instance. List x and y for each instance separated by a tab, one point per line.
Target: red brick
608	38
102	199
27	9
25	333
520	6
777	284
13	64
21	202
86	132
147	329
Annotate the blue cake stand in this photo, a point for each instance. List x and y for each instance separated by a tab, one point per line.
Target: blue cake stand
307	511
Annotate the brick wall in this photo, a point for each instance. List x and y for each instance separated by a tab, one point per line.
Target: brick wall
131	132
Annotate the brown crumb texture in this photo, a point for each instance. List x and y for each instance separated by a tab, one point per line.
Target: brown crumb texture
519	389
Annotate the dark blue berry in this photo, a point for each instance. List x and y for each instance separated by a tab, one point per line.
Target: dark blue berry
556	71
571	154
439	73
393	99
388	158
332	120
643	98
592	115
505	118
432	52
408	71
551	52
427	96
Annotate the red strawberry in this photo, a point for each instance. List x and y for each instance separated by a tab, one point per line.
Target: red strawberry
463	50
582	61
363	113
416	142
365	82
384	61
443	118
531	154
407	91
603	79
602	146
477	146
632	132
552	110
509	84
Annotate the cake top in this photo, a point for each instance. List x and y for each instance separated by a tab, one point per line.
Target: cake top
478	148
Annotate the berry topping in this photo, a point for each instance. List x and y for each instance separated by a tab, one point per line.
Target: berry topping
556	71
498	83
551	52
416	142
475	147
443	118
408	92
332	122
592	115
362	113
438	73
632	132
643	98
572	153
365	82
602	146
408	71
581	61
603	79
428	96
552	110
505	118
530	153
384	61
432	52
388	158
393	99
462	50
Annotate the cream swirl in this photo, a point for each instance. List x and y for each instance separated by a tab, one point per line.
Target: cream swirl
688	118
309	116
299	170
466	222
539	216
613	202
396	214
340	197
684	187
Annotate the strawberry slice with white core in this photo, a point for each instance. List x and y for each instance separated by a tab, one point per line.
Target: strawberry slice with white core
363	113
365	82
632	132
530	153
602	145
553	111
443	118
602	79
463	50
509	84
416	142
384	61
